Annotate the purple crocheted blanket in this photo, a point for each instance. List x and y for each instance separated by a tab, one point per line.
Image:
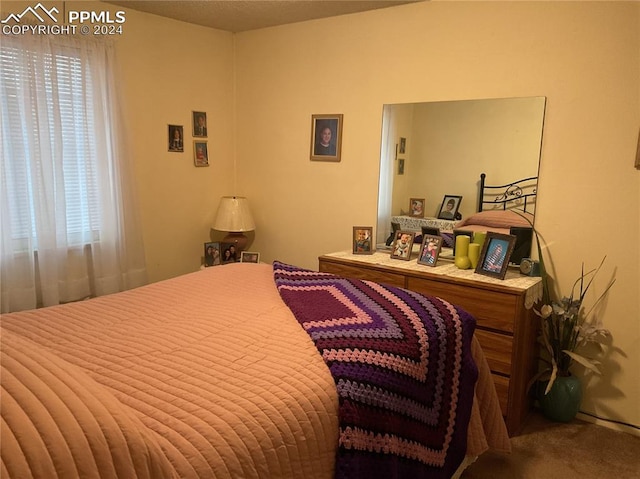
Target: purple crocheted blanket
403	368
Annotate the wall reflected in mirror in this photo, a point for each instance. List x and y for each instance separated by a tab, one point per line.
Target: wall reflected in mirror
448	145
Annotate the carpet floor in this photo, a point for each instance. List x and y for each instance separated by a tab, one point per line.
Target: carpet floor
576	450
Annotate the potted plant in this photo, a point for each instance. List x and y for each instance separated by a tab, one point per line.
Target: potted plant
566	327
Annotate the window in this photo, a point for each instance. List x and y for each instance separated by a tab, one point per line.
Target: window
66	92
64	175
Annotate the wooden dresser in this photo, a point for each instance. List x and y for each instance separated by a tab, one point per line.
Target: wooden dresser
506	326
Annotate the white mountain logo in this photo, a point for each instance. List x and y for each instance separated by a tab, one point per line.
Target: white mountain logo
35	11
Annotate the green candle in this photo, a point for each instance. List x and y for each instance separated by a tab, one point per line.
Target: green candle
479	237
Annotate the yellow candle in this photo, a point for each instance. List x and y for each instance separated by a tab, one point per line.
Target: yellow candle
462	245
479	237
474	254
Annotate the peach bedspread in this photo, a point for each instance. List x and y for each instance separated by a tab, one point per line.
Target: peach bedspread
205	375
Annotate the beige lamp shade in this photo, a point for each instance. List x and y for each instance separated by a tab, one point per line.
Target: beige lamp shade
234	215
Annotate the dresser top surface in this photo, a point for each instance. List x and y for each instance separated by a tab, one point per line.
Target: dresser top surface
513	279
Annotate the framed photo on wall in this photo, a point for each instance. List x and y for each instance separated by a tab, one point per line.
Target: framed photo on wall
416	207
401	166
449	207
326	137
176	138
199	119
430	250
402	244
403	145
200	153
362	239
496	251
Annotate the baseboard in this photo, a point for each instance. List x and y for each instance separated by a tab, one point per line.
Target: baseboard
609	425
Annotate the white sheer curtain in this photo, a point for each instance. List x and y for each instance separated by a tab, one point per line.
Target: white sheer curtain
68	210
387	158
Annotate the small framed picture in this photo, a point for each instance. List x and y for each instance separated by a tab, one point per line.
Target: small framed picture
403	145
176	138
430	250
326	137
449	207
228	253
211	254
199	124
495	254
249	257
401	166
402	244
200	153
416	207
362	236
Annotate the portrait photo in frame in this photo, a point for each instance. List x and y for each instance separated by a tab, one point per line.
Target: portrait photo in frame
228	253
401	166
496	251
402	244
403	145
199	120
430	250
449	207
362	240
326	137
200	153
211	254
249	257
176	138
416	207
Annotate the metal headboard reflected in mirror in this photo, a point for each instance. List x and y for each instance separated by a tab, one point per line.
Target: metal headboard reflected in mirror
520	194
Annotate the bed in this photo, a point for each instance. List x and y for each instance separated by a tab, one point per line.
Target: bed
208	375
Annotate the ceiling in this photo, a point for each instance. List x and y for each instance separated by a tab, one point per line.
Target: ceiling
243	15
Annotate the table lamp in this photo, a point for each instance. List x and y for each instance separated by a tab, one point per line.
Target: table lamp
234	217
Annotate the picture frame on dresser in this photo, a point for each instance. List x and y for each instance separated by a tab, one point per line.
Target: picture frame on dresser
402	245
416	207
495	254
449	207
362	240
429	250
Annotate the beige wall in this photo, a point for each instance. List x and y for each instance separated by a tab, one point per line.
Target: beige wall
582	56
170	69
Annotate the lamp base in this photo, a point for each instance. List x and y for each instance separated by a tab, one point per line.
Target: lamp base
239	240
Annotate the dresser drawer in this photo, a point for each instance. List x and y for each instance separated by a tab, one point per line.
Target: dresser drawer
357	272
497	349
492	309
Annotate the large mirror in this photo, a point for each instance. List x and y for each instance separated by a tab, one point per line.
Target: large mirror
434	149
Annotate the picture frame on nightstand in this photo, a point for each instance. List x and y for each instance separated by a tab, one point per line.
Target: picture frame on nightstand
249	257
211	254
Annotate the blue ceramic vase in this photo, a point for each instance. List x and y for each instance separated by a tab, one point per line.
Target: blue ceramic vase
562	403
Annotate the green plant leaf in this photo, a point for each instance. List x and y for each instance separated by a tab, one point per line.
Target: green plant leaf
587	363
